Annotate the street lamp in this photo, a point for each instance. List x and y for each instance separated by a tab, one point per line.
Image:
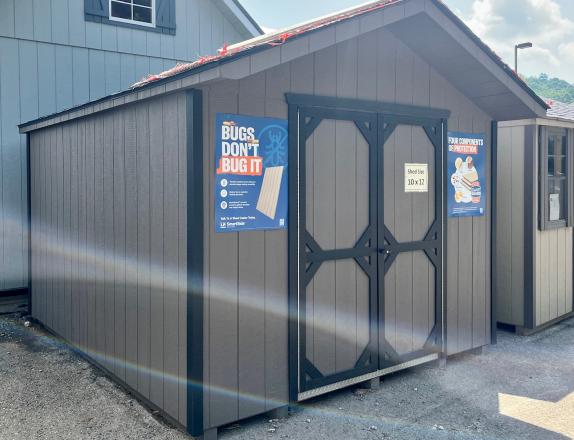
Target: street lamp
519	46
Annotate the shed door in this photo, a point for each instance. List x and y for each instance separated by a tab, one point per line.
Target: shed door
410	240
338	246
369	254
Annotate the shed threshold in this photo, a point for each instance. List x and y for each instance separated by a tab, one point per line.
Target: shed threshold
366	377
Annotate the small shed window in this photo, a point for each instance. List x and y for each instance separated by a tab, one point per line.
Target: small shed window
554	178
139	12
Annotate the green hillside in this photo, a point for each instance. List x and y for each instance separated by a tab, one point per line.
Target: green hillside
553	88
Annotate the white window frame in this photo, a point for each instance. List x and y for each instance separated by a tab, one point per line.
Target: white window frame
134	22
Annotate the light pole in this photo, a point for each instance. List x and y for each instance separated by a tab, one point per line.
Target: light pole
519	46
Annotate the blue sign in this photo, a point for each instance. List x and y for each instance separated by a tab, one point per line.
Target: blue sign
466	171
251	158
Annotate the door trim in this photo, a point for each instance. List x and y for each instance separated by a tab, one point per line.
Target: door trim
400	112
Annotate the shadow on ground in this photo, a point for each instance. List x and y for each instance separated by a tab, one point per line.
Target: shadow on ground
49	392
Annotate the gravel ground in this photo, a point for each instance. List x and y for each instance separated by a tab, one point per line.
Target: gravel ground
48	392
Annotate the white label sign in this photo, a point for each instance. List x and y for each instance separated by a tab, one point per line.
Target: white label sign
416	178
554	207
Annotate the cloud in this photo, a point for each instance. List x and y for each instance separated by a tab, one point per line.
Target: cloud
504	23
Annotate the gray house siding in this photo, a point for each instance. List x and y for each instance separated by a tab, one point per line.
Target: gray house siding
51	59
109	243
245	284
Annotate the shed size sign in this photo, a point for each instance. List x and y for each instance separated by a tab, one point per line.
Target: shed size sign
416	178
251	157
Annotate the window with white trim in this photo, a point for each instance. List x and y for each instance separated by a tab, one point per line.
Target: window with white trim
140	12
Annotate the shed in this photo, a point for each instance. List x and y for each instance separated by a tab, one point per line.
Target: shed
278	221
534	285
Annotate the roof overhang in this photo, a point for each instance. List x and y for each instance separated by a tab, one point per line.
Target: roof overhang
239	16
428	27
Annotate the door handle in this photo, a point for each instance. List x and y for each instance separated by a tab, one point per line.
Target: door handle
384	251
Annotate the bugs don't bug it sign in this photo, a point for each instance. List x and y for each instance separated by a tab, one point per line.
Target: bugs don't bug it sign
416	178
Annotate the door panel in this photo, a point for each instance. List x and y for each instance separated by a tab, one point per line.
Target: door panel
410	234
338	322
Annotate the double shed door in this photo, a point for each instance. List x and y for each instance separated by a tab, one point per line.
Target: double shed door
366	257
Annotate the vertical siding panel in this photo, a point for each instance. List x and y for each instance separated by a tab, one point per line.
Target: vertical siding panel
46	79
24	21
85	237
10	147
170	255
7	18
60	27
64	78
93	35
517	263
67	310
113	72
465	253
561	275
109	268
504	225
42	20
99	244
452	231
223	291
193	31
97	74
276	303
77	23
110	38
182	255
139	42
28	80
81	75
153	44
58	185
205	43
119	249
479	256
157	195
125	38
128	71
74	221
131	253
569	265
251	284
144	251
181	39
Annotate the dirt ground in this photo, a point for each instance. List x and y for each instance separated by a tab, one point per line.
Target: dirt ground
523	388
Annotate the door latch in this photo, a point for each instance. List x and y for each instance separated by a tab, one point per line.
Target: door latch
384	251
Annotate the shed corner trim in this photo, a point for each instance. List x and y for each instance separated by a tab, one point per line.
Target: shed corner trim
195	382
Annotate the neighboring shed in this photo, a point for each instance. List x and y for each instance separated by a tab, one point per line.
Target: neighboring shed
129	261
534	251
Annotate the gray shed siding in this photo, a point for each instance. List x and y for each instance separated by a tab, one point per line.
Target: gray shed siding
109	243
52	59
510	226
246	273
553	265
550	269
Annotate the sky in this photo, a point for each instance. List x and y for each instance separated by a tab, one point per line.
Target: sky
548	24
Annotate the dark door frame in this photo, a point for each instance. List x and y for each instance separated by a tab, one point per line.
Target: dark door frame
389	116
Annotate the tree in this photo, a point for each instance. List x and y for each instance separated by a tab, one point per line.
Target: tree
552	88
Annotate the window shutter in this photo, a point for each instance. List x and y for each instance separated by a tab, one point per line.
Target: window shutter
165	16
95	10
